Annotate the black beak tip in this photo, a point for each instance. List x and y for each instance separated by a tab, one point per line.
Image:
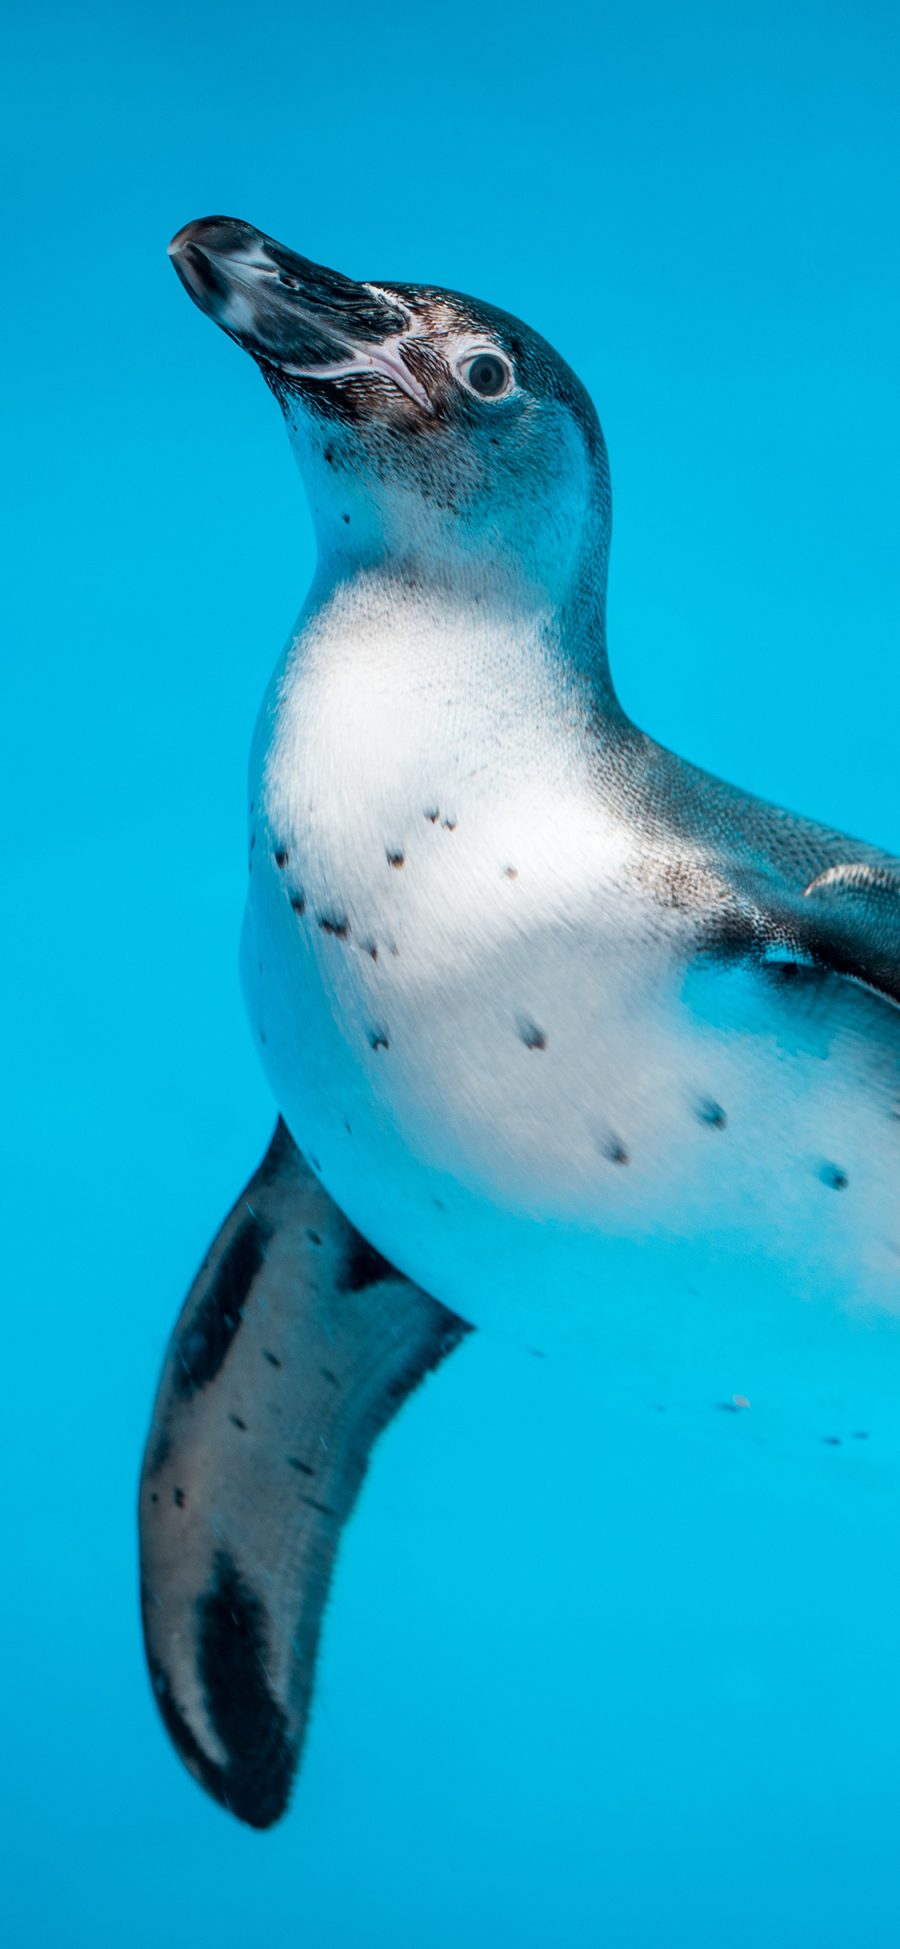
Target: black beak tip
221	235
201	252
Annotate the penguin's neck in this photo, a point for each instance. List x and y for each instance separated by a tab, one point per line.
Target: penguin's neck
494	609
505	590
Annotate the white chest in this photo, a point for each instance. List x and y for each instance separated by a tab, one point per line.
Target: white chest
441	898
484	1032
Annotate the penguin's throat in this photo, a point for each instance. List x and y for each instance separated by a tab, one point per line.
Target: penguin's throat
519	559
438	595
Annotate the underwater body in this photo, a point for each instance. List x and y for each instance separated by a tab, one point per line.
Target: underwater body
592	1669
502	1105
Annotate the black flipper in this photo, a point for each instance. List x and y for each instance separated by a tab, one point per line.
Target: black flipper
296	1346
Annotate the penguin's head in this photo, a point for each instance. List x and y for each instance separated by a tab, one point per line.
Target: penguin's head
433	431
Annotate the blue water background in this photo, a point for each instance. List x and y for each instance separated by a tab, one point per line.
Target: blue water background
561	1700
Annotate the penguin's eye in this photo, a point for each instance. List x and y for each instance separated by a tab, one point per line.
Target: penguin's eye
488	374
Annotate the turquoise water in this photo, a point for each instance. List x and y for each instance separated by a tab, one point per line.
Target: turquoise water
568	1691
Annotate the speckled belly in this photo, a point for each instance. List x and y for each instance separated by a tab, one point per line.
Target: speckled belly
680	1174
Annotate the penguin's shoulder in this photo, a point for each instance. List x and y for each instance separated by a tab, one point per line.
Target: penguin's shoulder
767	881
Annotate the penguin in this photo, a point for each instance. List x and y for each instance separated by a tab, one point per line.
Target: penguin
570	1040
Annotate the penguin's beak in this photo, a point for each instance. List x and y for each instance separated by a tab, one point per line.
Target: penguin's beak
294	316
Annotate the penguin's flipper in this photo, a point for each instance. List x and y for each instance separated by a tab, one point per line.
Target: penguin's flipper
296	1346
848	921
